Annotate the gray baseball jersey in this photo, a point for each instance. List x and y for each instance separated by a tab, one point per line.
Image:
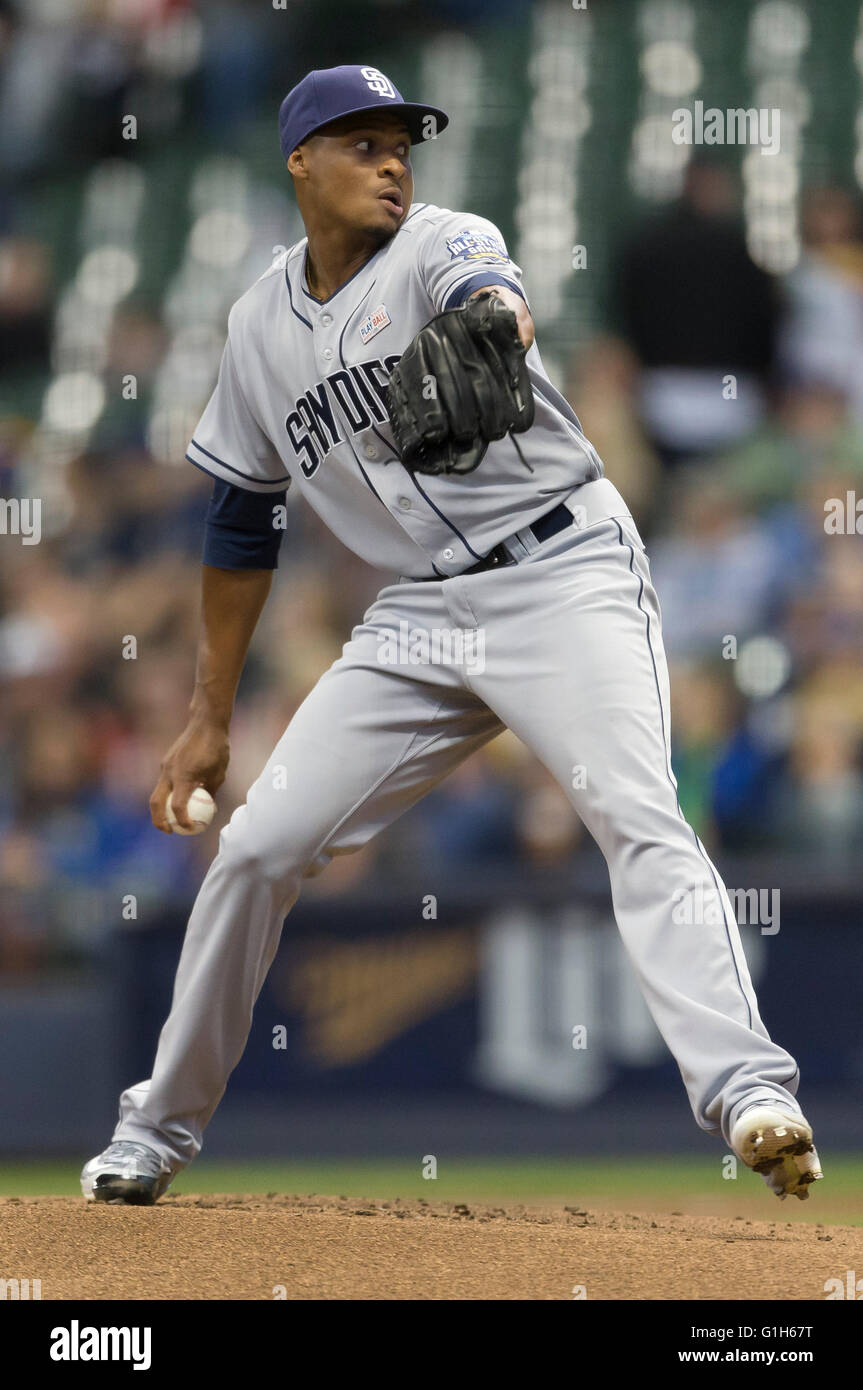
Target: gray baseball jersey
300	400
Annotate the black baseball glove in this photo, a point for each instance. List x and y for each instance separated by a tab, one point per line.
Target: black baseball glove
461	383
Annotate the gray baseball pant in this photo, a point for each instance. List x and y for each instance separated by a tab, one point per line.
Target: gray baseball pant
572	662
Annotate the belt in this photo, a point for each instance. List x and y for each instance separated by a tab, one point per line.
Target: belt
541	530
588	503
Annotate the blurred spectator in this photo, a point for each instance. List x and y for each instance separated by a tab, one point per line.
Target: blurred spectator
549	831
71	72
34	54
25	305
603	381
471	818
702	714
696	309
821	342
719	572
809	438
237	62
825	620
821	807
748	780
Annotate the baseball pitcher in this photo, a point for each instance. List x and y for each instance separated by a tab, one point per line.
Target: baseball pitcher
386	369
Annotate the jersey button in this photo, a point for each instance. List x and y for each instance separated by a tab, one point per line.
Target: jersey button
326	320
327	353
405	504
448	554
370	451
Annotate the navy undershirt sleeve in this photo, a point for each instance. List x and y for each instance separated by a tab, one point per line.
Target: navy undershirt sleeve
239	532
478	282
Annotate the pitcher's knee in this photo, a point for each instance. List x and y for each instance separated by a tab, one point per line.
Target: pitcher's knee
642	836
253	854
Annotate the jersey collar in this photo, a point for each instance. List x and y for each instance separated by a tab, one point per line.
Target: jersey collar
313	297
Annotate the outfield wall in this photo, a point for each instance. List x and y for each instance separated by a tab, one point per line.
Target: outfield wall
512	1017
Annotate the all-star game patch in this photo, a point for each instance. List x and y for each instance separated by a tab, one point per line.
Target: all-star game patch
477	246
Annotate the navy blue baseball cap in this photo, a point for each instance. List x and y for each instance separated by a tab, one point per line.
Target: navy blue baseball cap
328	93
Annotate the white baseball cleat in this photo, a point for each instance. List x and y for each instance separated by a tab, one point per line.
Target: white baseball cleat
778	1145
125	1174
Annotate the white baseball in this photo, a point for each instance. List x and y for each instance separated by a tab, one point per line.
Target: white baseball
201	809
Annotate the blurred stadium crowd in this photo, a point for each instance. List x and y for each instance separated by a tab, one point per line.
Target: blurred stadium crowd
726	400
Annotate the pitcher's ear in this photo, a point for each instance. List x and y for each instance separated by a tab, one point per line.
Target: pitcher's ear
297	164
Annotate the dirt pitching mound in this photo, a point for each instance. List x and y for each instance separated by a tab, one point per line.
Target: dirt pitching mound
279	1246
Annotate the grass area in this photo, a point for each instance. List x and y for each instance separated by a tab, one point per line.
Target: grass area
658	1181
